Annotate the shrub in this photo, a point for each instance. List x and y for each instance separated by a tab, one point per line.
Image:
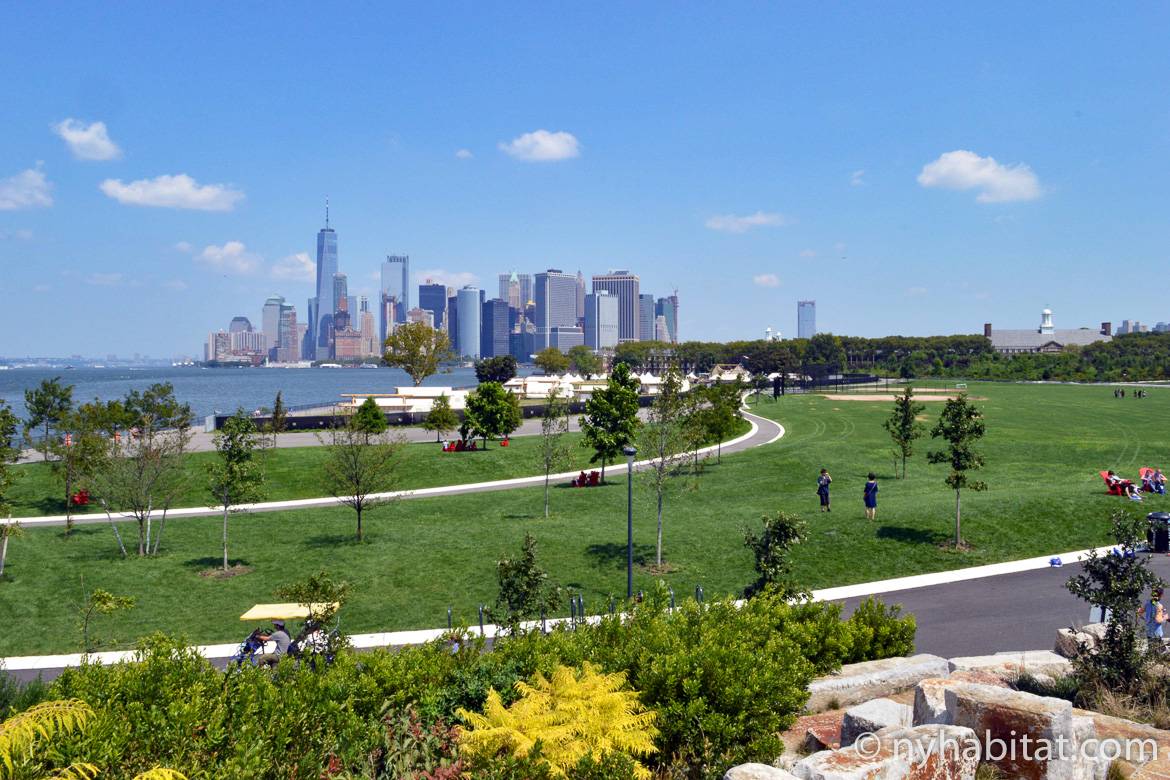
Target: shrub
879	631
571	714
16	696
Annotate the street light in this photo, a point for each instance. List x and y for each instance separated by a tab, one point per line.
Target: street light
630	452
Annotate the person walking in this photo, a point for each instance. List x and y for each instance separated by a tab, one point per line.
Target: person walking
1154	615
823	482
871	491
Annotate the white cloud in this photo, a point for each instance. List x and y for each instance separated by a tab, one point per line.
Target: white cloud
464	154
543	146
732	223
16	235
184	247
27	189
174	192
808	253
858	178
766	280
454	279
964	170
298	268
232	258
104	279
87	142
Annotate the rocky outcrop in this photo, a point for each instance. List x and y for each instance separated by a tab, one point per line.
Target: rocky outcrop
1038	663
857	683
873	716
897	753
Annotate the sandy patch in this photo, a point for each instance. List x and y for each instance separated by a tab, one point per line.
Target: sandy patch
885	398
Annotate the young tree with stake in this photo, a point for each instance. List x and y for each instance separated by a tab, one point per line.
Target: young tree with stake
903	425
554	450
369	418
236	477
441	418
611	420
278	422
359	465
961	426
661	438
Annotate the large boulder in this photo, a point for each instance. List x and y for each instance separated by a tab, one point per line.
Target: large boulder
757	772
1038	663
1069	641
810	733
856	683
873	716
898	753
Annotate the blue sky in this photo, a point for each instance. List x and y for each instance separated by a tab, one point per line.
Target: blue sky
916	169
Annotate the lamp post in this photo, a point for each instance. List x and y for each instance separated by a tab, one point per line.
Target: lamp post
630	452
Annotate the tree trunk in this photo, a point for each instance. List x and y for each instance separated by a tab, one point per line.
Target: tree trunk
162	523
359	522
225	529
719	450
546	470
68	499
903	466
149	514
117	534
603	469
3	552
45	443
658	555
958	526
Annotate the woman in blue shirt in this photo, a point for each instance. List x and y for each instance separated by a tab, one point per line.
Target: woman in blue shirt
823	482
871	491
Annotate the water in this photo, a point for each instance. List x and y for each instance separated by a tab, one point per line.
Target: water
211	390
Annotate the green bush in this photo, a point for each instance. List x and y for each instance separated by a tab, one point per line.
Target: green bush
878	631
16	696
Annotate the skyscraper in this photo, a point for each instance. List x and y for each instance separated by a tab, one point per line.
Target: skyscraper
451	322
366	326
601	320
395	293
556	304
469	321
270	321
288	348
645	317
668	307
340	302
580	297
806	319
625	286
321	327
526	292
494	328
433	298
240	324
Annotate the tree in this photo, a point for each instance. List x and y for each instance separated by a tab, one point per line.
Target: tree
661	439
693	422
8	530
94	603
554	450
319	592
1117	583
961	426
9	454
551	360
417	349
525	590
903	424
278	421
156	410
47	405
826	350
492	411
611	416
495	369
722	411
771	547
584	361
440	419
369	418
235	478
77	456
359	466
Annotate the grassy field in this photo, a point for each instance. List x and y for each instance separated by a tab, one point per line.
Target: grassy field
1044	447
295	473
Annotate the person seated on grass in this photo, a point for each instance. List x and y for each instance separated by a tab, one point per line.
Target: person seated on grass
1122	487
1158	482
1147	481
280	638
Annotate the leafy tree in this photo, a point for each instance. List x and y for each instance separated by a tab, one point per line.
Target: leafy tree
961	426
525	589
418	349
903	425
359	466
584	361
661	439
1118	583
827	350
611	416
369	418
94	603
319	592
771	547
236	477
693	415
721	414
8	530
156	409
77	456
492	411
9	454
495	369
551	360
278	421
47	405
441	418
554	450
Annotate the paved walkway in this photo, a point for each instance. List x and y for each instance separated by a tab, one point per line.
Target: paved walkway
763	431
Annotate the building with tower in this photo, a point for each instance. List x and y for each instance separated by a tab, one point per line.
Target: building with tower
1046	338
322	306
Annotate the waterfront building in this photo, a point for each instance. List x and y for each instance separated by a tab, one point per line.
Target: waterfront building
433	298
556	304
270	320
242	324
494	328
625	286
396	283
321	326
288	346
601	320
468	321
645	317
806	319
452	322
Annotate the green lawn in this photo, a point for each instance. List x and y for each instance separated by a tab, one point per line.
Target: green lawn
1044	447
296	473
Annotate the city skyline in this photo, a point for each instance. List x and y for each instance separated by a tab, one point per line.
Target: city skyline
905	170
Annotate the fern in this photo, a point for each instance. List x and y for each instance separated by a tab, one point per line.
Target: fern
43	721
570	715
161	773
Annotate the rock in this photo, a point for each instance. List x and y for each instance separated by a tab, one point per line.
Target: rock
811	733
1154	770
1147	744
1069	642
897	753
1093	763
930	702
1096	631
757	772
873	716
983	678
1038	663
857	683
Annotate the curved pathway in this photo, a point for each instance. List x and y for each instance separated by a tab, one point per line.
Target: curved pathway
763	431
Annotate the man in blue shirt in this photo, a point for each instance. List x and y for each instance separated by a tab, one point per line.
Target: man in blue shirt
1155	615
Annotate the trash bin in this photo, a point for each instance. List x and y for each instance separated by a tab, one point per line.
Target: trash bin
1158	534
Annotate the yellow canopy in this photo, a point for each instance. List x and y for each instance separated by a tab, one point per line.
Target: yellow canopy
287	611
